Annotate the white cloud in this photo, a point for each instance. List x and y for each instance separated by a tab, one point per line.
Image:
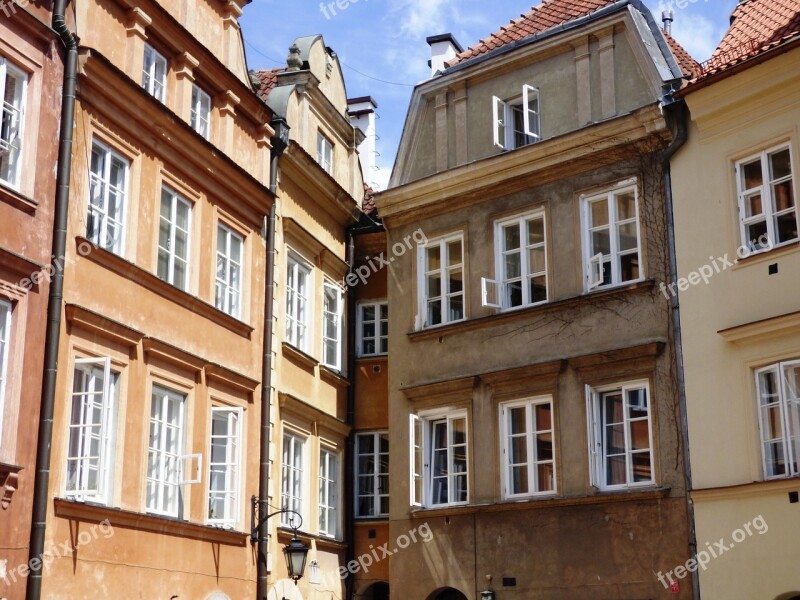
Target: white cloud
418	18
697	35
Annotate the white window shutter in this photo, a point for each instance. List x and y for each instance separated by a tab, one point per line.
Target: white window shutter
530	116
414	442
594	270
498	119
490	289
193	475
593	437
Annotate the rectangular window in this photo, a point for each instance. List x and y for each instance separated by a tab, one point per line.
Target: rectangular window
328	493
292	480
520	262
154	73
779	415
612	248
333	317
298	298
228	296
620	436
372	474
224	466
90	450
13	87
441	284
325	153
173	239
767	210
5	347
108	183
516	122
165	452
373	328
201	112
527	448
443	450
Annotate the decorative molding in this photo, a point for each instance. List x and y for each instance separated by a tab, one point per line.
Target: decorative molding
452	390
136	23
298	356
240	382
786	324
172	354
185	64
318	418
521	381
9	480
333	377
756	488
78	316
227	102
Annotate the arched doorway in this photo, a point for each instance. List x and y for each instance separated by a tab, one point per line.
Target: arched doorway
377	591
447	594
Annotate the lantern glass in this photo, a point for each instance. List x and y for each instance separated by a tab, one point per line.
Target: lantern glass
296	553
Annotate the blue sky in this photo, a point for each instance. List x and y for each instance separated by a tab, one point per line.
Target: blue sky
381	43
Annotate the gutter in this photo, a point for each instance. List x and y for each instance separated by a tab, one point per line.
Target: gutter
278	147
679	113
349	495
54	302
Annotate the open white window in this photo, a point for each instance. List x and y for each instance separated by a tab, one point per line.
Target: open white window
441	281
620	435
92	428
108	190
293	478
443	453
516	121
328	493
154	73
611	238
768	214
333	320
373	328
372	474
527	447
13	88
325	152
520	263
201	112
224	466
778	389
174	239
168	469
5	346
228	289
298	302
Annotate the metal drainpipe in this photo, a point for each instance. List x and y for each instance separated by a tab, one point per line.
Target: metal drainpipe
262	584
350	418
679	114
56	295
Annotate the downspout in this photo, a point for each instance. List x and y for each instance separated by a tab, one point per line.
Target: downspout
55	298
349	495
278	146
679	115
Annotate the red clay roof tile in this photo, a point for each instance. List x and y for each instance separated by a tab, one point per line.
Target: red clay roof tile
268	79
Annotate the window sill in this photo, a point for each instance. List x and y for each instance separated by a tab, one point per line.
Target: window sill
605	497
371	357
369	520
293	352
766	256
137	274
643	286
117	517
13	198
333	376
322	541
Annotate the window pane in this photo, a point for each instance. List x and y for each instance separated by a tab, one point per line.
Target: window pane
599	213
542	414
753	205
433	257
780	164
517	420
629	267
642	470
626	206
513	265
535	231
627	237
511	237
751	173
454	253
601	242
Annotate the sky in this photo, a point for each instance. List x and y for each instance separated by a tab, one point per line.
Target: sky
381	43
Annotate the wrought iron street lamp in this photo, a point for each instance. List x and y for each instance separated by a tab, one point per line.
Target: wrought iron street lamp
295	551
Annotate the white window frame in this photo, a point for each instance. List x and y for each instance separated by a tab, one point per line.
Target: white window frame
375	474
768	202
179	475
228	294
101	190
175	200
299	306
154	73
293	478
335	318
787	399
528	104
500	284
424	424
329	477
201	112
532	459
325	152
596	421
11	148
104	432
446	295
380	308
6	311
593	262
231	467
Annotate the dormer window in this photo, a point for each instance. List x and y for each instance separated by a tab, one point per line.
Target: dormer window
516	121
